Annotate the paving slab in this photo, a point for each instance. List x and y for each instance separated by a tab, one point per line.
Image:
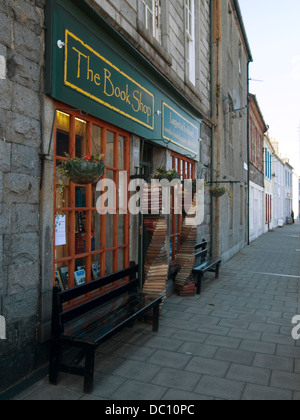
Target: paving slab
232	342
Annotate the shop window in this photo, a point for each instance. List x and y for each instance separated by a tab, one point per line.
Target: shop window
93	245
186	167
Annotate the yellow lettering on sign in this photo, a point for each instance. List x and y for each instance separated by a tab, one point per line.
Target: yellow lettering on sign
79	61
89	72
107	80
139	106
126	95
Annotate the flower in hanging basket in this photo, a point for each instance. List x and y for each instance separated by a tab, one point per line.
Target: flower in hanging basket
83	171
162	173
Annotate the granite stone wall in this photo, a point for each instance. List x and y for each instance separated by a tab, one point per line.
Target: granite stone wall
21	84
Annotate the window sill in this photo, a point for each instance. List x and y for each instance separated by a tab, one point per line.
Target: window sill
193	88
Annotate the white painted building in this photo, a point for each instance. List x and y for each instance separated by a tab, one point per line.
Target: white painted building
288	189
278	192
256	211
296	195
269	152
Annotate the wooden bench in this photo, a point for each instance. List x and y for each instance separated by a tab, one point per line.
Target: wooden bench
93	319
204	264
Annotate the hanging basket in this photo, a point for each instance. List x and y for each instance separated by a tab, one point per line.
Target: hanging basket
84	172
218	191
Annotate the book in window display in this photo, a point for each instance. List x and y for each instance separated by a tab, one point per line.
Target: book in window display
64	274
96	271
58	281
79	277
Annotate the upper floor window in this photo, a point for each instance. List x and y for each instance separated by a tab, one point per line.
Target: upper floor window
189	15
268	164
190	39
151	17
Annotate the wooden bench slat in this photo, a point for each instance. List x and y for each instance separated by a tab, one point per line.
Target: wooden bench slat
79	310
72	294
199	267
79	324
122	323
99	331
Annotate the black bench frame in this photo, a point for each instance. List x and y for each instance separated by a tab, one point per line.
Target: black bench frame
61	317
204	264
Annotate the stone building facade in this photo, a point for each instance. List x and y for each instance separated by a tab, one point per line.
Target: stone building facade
230	164
257	128
22	49
169	46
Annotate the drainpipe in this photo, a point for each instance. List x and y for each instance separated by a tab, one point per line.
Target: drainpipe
248	150
212	111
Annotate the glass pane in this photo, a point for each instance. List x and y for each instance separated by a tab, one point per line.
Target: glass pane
111	202
110	149
95	195
62	143
121	153
109	263
62	190
80	197
149	21
80	129
95	231
96	141
80	232
110	174
109	231
62	134
121	259
121	231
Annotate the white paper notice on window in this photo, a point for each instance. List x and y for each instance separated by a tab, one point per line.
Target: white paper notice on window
60	231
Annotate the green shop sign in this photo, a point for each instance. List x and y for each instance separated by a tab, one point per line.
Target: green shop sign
94	76
179	130
90	68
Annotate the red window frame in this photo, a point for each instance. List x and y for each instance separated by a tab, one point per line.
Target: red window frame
71	210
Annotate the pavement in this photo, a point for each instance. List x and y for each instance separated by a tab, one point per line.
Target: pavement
233	342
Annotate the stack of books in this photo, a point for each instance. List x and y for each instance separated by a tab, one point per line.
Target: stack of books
156	263
152	199
185	285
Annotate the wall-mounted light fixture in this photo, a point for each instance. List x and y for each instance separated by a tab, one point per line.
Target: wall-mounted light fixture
60	44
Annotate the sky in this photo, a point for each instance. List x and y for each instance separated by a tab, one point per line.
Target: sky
273	32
